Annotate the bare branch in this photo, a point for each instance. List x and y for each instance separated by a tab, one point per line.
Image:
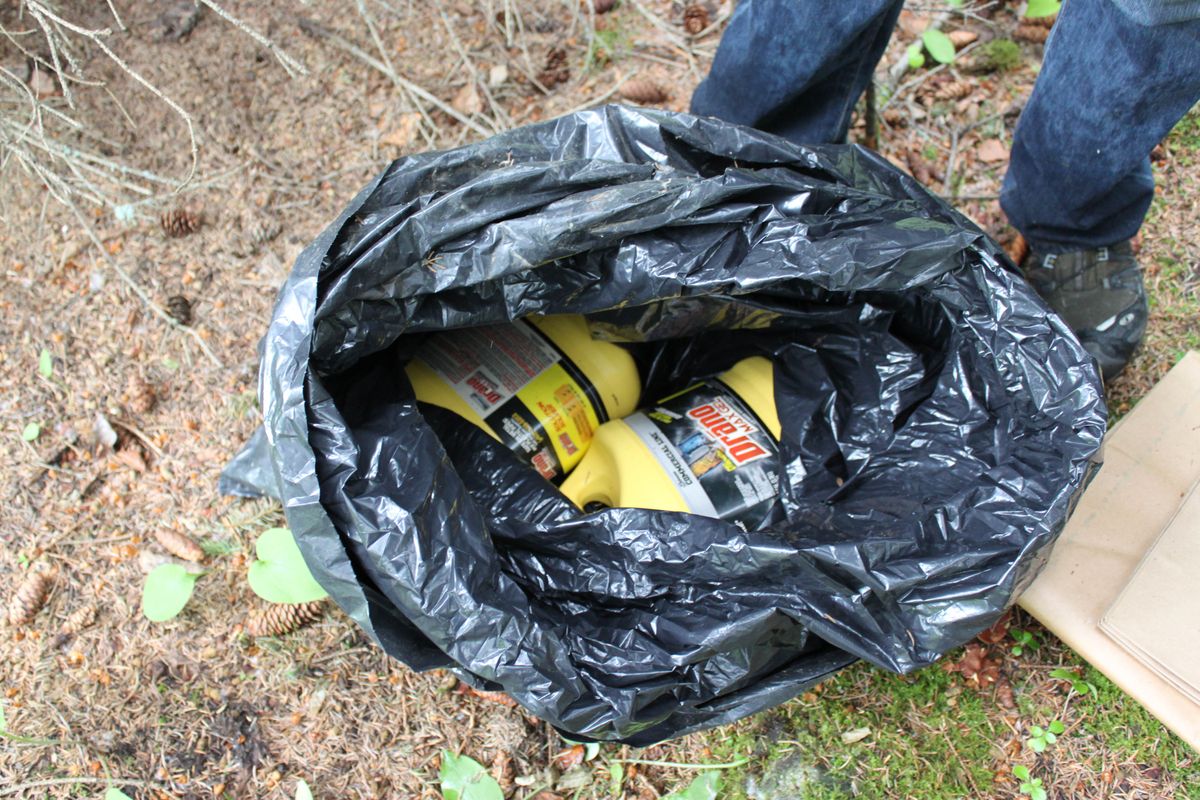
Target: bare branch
290	65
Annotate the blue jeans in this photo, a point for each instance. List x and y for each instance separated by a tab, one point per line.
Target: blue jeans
1079	175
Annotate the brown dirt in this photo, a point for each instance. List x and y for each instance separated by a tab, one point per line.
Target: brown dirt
192	708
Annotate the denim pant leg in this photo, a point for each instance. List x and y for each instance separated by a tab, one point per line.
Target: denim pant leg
1109	90
796	67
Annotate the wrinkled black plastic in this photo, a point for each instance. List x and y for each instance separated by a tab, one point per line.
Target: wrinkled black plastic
938	419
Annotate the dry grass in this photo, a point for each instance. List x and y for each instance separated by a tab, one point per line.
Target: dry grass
192	709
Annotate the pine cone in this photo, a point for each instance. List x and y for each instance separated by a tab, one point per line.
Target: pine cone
180	222
603	6
644	91
30	596
179	545
504	770
961	39
282	618
556	70
84	617
180	309
954	90
695	18
141	394
925	173
261	231
1030	32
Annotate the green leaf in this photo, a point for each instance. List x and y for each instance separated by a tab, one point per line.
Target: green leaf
703	788
939	46
167	590
45	363
591	750
464	778
170	363
302	791
1036	792
1038	730
1016	651
1057	727
114	793
280	574
916	59
1037	745
1042	8
31	432
616	779
1064	675
1021	771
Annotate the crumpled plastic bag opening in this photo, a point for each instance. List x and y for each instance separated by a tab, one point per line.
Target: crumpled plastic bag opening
939	421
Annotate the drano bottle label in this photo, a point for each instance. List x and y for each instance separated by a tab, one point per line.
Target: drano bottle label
527	391
718	454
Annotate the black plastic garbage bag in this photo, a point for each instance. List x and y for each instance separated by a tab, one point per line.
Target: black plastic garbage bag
938	420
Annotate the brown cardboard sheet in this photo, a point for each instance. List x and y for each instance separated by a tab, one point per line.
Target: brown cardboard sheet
1151	463
1157	615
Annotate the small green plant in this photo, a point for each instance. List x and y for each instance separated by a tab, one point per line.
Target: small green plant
939	46
464	778
1078	684
1042	8
168	589
606	45
1029	785
302	790
1024	641
702	788
936	43
280	574
1040	738
616	779
31	432
45	364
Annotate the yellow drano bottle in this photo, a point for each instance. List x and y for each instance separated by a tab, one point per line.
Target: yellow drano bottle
542	385
711	449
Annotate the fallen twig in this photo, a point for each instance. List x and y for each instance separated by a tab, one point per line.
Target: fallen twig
674	38
24	787
290	65
315	29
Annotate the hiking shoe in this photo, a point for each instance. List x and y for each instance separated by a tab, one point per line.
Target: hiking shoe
1100	294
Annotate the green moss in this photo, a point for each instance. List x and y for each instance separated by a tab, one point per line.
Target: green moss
929	738
1125	727
998	55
